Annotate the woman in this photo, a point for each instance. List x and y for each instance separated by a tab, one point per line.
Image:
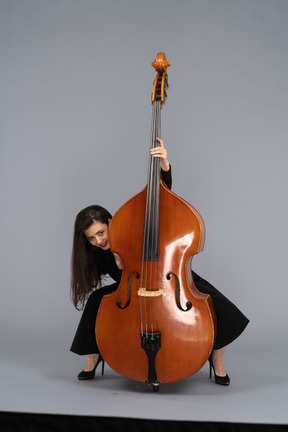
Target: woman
92	258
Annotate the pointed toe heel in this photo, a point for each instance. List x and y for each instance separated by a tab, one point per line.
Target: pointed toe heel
225	380
88	375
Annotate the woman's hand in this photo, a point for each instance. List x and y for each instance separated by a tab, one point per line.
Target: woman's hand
161	152
118	261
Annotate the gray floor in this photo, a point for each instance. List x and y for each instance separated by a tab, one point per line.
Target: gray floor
45	382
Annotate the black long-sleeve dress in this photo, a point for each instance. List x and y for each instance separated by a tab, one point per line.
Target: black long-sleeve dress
230	320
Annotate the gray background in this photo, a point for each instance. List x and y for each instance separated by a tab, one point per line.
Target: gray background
75	120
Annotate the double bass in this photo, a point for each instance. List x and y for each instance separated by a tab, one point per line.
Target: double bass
156	327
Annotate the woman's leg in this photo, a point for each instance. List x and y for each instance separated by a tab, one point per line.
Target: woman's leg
84	342
91	362
230	324
218	362
230	320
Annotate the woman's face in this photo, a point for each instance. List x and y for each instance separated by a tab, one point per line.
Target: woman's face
98	235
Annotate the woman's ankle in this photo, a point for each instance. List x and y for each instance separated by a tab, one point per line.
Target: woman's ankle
91	362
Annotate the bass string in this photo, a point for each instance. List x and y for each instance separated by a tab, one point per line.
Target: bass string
144	269
156	179
150	251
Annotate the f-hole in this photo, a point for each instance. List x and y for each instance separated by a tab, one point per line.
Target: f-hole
177	293
129	287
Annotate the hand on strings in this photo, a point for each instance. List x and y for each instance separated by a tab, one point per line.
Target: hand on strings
161	152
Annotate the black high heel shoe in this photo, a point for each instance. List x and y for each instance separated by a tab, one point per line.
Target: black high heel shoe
86	375
225	380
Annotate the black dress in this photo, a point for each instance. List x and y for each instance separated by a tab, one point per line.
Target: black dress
84	341
230	320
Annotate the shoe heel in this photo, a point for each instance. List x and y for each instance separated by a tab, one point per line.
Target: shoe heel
218	379
85	375
210	367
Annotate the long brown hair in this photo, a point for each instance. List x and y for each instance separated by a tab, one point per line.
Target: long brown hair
85	272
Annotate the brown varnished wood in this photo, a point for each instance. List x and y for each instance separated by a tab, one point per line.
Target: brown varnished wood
187	337
161	65
187	333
